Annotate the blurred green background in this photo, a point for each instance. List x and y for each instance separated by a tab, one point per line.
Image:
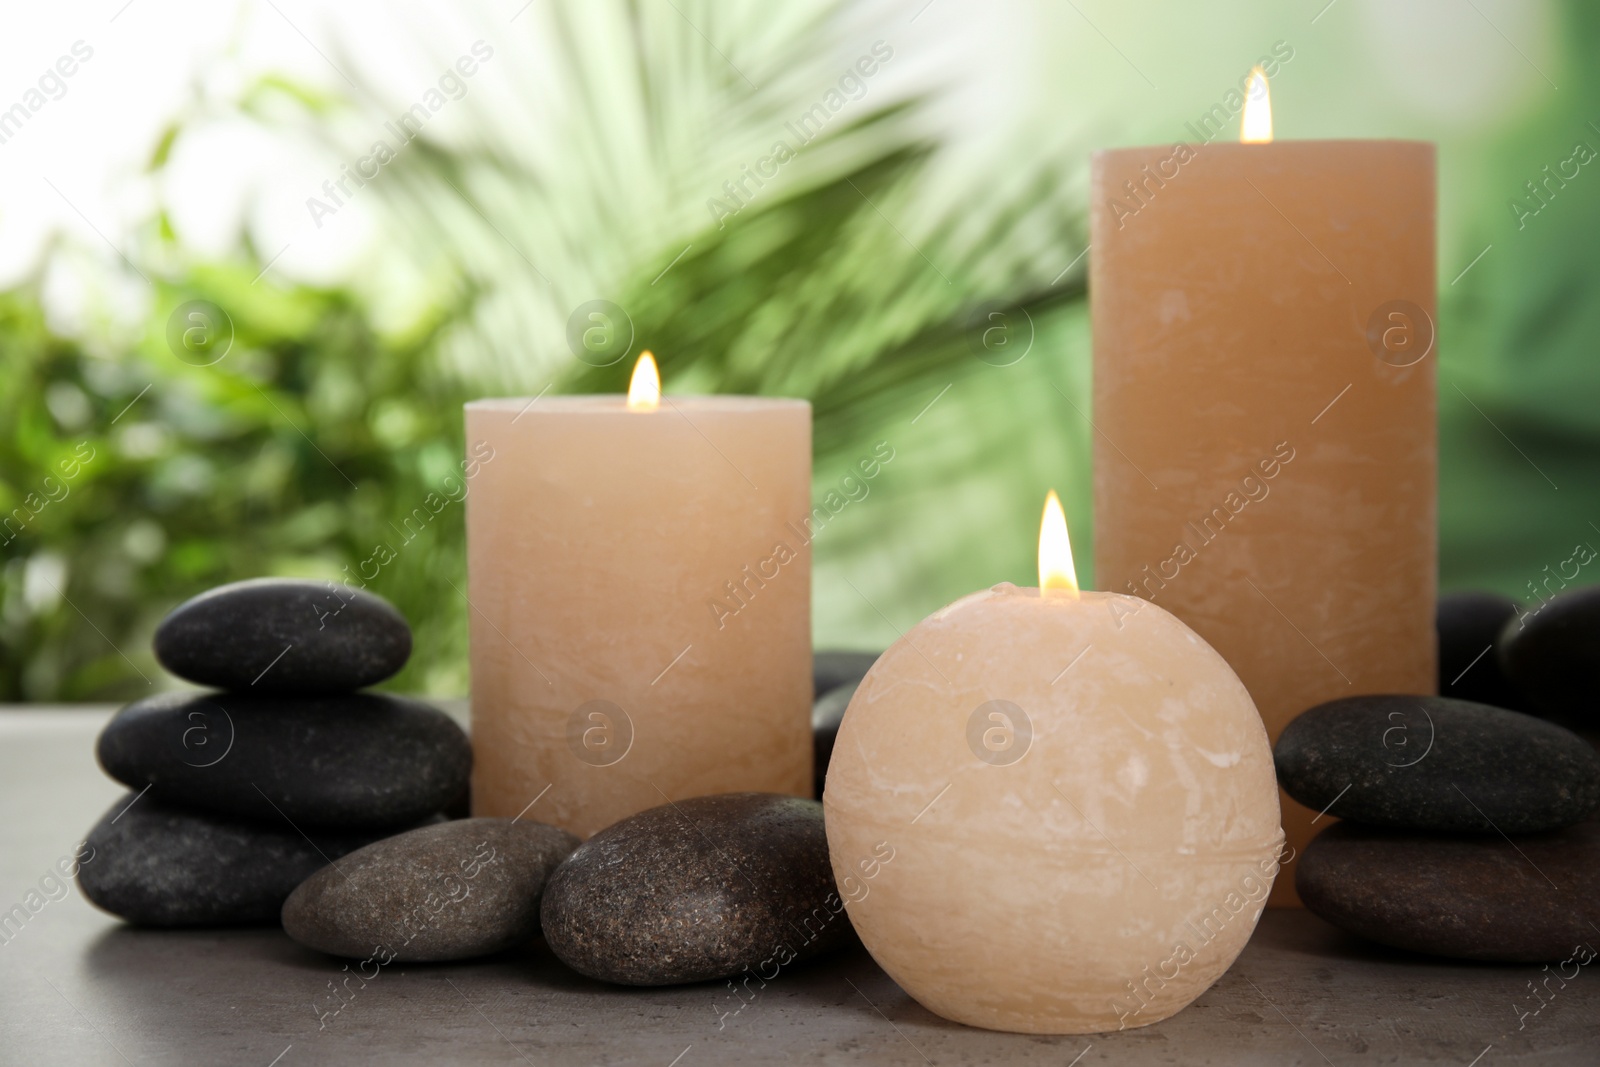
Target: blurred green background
587	160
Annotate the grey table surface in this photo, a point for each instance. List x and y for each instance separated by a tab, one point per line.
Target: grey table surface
79	987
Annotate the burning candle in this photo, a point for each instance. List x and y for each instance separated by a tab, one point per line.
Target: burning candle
1077	800
640	585
1265	456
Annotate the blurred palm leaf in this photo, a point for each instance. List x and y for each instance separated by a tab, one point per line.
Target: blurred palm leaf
852	277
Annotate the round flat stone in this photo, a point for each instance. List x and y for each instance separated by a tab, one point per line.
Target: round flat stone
1431	763
1552	655
445	892
159	864
1469	623
826	715
284	635
1467	898
361	759
831	668
704	888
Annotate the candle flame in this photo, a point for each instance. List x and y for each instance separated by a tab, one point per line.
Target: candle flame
1056	571
644	391
1255	126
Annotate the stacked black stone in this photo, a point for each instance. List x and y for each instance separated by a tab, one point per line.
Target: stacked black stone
1466	827
239	794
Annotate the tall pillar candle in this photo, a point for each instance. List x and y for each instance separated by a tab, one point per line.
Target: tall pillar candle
640	588
1265	454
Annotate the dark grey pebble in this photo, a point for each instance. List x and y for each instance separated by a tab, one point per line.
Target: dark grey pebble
284	635
1430	763
360	759
1551	653
1462	897
447	892
159	864
1469	623
700	889
826	714
831	668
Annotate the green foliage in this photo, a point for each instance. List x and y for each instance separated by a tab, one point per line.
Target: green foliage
1519	387
861	277
298	453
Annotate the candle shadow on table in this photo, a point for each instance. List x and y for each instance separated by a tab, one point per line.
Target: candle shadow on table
844	984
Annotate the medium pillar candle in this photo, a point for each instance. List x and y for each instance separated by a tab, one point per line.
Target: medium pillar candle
640	587
1265	457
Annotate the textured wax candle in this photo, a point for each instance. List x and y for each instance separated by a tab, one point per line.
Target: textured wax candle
640	585
1265	456
1078	800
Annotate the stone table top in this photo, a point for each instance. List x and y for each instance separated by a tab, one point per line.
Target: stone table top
79	987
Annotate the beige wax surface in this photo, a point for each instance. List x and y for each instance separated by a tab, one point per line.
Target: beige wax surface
1098	875
1259	471
600	544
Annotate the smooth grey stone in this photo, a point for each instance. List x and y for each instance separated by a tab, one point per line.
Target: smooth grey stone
284	635
360	759
159	864
1431	763
832	668
1468	624
695	890
447	892
826	715
1468	898
1552	655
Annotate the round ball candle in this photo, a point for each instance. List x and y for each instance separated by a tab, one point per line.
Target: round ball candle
640	587
1077	802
